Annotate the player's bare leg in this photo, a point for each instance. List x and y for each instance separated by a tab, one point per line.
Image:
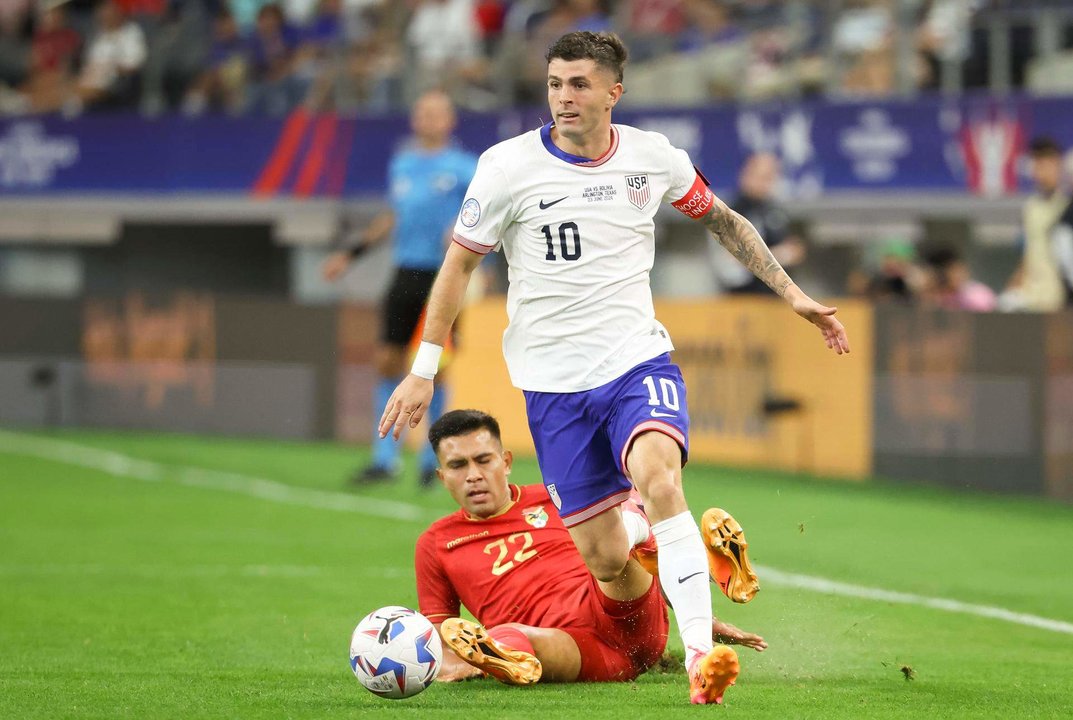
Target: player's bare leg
654	464
559	655
603	544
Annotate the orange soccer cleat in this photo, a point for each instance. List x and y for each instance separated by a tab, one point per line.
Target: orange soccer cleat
711	674
728	560
474	645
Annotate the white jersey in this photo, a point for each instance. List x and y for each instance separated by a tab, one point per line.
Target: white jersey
578	236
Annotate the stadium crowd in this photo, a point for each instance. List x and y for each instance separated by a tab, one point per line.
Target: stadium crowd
241	56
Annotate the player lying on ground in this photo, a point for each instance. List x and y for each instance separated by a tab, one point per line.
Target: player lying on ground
507	557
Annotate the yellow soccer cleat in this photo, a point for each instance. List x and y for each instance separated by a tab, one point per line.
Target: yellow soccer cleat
473	644
728	560
710	675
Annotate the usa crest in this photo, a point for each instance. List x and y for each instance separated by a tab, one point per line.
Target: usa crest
637	190
536	516
555	496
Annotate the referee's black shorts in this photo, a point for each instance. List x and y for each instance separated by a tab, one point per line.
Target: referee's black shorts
405	301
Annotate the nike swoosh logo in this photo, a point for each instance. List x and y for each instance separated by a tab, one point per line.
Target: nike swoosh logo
683	579
657	413
545	206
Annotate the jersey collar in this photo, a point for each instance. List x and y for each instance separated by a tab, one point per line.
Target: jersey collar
545	137
515	496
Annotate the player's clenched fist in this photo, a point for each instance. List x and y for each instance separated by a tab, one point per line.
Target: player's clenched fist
406	405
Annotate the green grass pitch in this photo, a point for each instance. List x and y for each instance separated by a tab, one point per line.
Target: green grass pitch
149	589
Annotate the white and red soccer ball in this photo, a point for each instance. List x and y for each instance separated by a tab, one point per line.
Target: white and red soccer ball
395	652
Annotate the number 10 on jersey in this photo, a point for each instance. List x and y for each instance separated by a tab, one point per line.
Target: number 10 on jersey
569	242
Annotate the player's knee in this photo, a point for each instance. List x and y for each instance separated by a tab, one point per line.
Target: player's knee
608	571
605	566
661	490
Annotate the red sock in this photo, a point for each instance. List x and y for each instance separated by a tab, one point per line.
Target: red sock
512	637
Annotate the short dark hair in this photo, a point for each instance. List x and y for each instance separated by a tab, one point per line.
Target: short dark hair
606	49
1044	146
461	422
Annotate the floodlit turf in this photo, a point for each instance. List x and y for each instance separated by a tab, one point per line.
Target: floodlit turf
170	597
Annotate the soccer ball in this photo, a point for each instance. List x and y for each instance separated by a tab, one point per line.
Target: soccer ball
395	652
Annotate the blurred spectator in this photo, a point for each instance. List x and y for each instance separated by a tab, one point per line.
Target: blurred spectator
944	36
55	50
111	72
712	57
590	15
1062	243
221	85
274	89
862	40
951	286
317	60
491	15
709	23
443	39
245	13
786	50
1036	285
651	26
757	185
894	277
14	42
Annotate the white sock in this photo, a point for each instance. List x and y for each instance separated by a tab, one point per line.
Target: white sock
637	527
682	557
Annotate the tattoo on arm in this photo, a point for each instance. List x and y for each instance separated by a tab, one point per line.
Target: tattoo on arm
738	236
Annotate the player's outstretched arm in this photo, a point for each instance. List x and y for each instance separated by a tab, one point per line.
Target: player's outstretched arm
741	239
729	635
407	405
337	263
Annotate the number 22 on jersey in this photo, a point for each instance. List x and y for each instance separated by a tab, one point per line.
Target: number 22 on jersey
522	545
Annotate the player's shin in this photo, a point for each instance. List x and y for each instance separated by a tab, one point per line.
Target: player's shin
683	573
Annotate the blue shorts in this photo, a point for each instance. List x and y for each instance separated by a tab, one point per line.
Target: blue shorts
582	438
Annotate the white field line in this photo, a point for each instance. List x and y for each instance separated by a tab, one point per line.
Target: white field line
831	587
146	470
125	466
143	571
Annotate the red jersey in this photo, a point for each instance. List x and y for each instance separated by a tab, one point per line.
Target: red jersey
522	566
519	566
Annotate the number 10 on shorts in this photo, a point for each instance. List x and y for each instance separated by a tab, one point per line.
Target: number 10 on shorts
667	389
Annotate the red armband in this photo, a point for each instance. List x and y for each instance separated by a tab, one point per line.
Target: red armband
697	201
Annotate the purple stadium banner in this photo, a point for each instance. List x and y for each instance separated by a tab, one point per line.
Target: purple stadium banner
970	144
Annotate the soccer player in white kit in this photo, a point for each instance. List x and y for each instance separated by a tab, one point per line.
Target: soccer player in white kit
571	205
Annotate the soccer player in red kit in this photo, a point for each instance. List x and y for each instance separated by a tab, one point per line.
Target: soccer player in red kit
507	557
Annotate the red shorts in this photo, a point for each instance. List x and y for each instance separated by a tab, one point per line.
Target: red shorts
619	640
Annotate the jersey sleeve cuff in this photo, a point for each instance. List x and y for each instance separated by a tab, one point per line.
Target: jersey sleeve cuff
470	245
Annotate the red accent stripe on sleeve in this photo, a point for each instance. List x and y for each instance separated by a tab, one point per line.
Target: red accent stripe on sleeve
697	201
470	245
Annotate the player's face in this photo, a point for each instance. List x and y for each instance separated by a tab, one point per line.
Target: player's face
1047	172
433	118
581	95
474	469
